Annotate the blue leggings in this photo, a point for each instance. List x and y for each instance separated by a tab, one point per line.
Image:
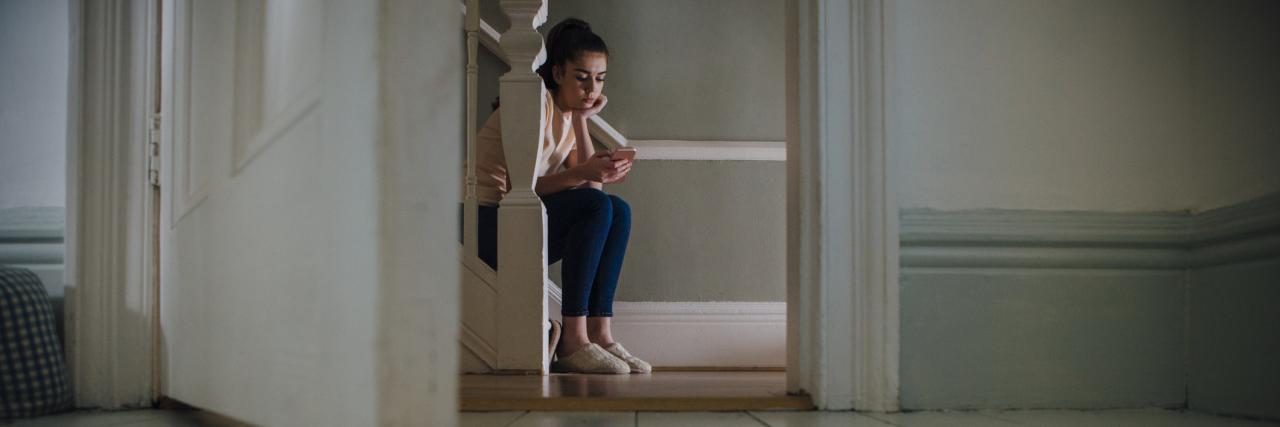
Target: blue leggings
586	228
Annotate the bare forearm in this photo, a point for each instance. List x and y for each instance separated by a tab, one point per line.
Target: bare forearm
585	149
559	181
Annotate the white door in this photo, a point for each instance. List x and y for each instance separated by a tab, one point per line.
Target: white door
274	269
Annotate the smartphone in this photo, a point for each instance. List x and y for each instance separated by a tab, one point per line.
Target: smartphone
624	153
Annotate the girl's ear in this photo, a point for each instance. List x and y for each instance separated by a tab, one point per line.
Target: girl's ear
557	73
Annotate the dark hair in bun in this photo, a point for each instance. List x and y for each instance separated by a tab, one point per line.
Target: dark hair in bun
565	42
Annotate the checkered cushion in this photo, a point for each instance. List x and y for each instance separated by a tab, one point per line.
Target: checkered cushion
34	378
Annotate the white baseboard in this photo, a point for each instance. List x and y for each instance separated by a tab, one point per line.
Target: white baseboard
721	334
712	334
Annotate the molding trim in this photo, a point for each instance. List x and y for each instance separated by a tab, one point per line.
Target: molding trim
842	219
111	274
992	227
681	334
709	150
32	238
1241	232
472	342
712	334
45	224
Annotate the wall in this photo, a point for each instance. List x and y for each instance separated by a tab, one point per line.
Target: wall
1080	105
34	51
1232	366
702	230
1042	309
1236	98
1234	347
1104	125
34	55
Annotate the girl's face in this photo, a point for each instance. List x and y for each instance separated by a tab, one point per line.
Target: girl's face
581	80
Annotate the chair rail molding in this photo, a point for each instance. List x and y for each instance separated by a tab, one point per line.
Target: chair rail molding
111	270
842	225
709	150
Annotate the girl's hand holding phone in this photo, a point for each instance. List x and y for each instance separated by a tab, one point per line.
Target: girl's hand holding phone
604	169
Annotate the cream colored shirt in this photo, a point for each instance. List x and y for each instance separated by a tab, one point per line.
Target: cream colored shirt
492	180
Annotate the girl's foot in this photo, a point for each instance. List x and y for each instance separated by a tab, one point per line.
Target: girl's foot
636	365
590	360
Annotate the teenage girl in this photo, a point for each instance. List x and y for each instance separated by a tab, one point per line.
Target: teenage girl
586	228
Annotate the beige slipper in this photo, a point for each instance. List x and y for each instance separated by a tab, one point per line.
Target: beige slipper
637	366
590	360
553	338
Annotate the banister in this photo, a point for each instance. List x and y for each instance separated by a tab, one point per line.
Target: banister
522	253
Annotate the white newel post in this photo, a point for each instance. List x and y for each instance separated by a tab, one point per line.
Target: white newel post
521	345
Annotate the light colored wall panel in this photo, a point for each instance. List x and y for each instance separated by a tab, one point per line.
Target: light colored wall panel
704	231
1237	99
1235	344
34	53
1078	105
689	70
1041	338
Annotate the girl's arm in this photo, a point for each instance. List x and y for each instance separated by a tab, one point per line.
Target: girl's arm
584	167
582	140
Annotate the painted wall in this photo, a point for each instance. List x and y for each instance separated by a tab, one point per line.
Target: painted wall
1098	106
1080	105
34	54
702	230
1232	364
1234	348
1236	99
705	231
1133	105
1041	338
688	70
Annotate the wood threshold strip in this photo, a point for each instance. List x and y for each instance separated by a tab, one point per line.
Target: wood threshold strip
635	403
719	368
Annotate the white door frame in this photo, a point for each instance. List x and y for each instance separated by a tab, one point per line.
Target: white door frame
842	217
842	288
111	281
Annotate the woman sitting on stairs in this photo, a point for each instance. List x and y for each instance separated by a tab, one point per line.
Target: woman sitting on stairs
586	228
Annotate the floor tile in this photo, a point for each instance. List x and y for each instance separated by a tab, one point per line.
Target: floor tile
1123	418
943	418
89	419
696	419
487	419
817	419
573	419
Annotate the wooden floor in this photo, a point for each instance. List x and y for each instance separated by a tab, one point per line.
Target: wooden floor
658	391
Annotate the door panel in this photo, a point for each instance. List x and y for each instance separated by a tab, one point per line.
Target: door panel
269	268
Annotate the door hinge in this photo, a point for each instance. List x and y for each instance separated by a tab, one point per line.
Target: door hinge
153	151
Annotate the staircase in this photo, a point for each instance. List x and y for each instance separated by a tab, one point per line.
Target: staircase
504	313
